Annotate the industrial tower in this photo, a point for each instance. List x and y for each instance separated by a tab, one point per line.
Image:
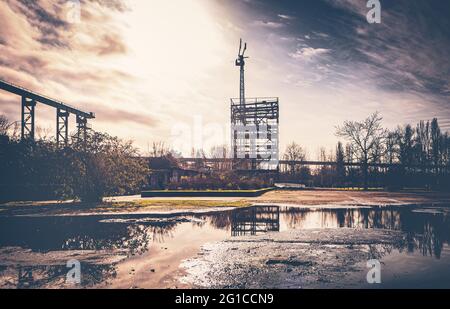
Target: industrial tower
254	127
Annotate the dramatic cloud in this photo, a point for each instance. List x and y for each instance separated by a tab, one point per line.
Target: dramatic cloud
145	67
74	61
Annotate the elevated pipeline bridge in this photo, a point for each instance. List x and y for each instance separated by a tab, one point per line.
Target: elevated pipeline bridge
287	163
63	111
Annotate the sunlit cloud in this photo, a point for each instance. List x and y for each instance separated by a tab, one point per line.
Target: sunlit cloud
309	52
288	17
147	67
268	24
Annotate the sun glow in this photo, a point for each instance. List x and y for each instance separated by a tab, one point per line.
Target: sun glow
172	43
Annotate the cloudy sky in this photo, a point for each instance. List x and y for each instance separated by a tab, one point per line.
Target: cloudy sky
159	70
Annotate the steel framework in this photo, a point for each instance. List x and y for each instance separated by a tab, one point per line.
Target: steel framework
28	118
29	101
255	133
82	127
62	127
286	163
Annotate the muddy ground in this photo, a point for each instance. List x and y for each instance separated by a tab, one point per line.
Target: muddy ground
332	258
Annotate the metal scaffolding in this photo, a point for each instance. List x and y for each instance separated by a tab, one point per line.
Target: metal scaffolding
255	134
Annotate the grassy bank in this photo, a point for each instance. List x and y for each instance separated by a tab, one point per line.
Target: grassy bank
76	208
180	203
205	193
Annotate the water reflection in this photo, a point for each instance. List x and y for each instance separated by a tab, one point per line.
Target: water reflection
427	231
124	237
253	220
44	234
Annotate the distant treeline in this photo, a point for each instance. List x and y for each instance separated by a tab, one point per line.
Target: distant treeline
103	165
415	157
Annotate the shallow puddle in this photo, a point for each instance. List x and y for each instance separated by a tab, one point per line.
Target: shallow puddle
145	251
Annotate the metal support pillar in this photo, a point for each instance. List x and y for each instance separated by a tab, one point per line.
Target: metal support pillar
81	129
62	128
28	119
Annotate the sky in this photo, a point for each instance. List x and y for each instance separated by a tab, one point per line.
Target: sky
159	70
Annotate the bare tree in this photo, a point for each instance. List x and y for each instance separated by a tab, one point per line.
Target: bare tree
43	133
220	152
294	152
406	142
4	125
392	147
159	149
340	163
349	153
435	143
7	128
422	142
364	136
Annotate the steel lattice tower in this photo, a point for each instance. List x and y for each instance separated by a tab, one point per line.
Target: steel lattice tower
254	123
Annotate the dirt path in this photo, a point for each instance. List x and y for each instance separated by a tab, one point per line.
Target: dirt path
138	205
318	197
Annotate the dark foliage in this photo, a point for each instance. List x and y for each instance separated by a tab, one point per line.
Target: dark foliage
36	170
224	180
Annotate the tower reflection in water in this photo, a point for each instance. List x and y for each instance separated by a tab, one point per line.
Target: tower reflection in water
253	220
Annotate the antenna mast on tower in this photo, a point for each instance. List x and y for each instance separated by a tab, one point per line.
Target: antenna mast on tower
240	62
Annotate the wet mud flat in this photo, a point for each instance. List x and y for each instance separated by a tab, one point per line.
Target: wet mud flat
255	247
319	258
331	248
